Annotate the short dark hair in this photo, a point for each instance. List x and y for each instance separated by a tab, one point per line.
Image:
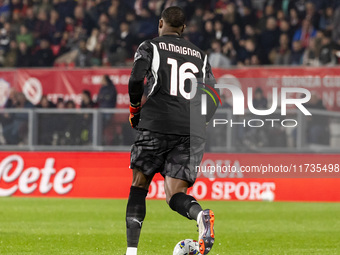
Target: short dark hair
174	16
87	93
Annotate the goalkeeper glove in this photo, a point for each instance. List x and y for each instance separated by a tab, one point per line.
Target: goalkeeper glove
134	114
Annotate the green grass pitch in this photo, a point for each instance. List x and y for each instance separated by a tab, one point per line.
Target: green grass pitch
97	226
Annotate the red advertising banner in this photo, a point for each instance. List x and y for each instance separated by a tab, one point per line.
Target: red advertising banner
68	83
107	175
64	83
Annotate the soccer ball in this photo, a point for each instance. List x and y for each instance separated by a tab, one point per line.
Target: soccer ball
267	196
186	247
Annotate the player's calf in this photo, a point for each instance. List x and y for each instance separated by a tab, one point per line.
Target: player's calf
185	205
135	214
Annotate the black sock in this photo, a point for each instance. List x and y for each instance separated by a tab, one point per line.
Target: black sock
185	205
135	214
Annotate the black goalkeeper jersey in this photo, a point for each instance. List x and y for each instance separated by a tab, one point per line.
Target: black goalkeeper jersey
169	63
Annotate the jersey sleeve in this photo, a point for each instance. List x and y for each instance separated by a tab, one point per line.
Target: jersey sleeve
141	65
210	79
209	73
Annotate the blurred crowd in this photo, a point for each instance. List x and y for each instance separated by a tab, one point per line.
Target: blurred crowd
70	128
84	33
106	98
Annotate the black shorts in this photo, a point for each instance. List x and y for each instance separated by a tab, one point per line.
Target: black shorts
171	155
